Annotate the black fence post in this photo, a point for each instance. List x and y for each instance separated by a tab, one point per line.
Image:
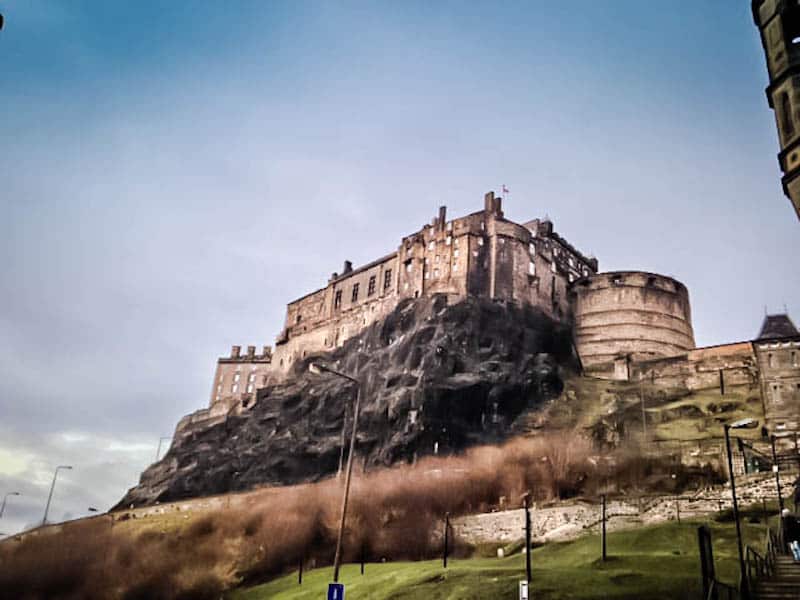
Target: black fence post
300	571
363	556
446	538
603	528
528	539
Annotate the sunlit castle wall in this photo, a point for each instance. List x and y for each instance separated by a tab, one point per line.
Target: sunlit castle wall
632	314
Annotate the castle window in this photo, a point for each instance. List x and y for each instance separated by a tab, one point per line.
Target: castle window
480	241
769	359
449	240
427	274
455	242
371	286
219	388
234	388
436	273
553	267
337	300
299	318
532	249
787	122
217	398
455	253
502	240
531	268
794	359
251	378
431	245
221	377
387	279
236	377
409	266
354	297
249	388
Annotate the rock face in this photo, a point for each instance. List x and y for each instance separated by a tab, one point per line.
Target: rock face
434	378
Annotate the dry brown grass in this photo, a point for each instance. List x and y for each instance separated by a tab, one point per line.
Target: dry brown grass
394	514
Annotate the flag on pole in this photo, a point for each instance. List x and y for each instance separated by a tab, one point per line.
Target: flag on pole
504	189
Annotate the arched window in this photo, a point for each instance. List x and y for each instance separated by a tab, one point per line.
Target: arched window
787	122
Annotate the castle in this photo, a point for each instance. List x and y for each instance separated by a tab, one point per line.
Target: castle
628	325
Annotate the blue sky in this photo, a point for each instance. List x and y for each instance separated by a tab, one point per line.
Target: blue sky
174	173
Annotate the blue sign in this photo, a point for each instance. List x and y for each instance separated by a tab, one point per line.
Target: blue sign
335	591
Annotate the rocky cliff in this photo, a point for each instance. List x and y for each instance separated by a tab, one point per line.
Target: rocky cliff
435	378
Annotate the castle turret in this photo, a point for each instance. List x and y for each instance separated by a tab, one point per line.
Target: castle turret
779	24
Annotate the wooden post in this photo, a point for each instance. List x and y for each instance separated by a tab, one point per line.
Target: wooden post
603	529
363	556
300	571
678	509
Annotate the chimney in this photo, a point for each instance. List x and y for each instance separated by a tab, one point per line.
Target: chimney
498	206
251	352
442	217
488	202
235	351
348	266
266	351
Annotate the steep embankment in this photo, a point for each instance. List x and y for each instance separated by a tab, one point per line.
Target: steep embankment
435	378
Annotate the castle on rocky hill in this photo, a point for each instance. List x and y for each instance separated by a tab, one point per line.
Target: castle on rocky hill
627	325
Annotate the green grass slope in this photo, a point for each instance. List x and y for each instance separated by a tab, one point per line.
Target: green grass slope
646	564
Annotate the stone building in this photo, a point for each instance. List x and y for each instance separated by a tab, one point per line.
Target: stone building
777	350
778	22
237	377
482	254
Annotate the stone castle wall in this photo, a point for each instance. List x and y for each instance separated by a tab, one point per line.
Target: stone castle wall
633	314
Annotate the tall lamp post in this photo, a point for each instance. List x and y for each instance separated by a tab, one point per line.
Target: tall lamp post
741	424
3	506
52	487
318	369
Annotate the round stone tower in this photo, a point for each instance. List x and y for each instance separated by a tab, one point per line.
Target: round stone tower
630	314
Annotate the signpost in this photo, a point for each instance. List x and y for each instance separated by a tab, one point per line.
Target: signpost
523	590
335	591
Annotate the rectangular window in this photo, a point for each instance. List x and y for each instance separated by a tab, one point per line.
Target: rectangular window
251	377
387	280
354	297
532	249
531	268
337	299
794	359
455	253
249	388
448	240
371	286
480	241
236	376
409	266
219	388
436	258
234	388
431	245
436	273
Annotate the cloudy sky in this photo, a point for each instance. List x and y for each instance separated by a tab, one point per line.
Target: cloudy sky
173	173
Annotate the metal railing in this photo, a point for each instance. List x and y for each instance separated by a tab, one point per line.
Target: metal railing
763	566
722	591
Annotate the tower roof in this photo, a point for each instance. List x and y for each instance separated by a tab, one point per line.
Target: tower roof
777	326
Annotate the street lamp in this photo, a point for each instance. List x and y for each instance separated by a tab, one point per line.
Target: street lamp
741	424
3	506
318	369
52	487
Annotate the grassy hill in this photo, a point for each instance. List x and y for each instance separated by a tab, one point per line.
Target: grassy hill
646	564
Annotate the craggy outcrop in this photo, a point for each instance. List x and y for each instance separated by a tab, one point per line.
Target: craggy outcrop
434	377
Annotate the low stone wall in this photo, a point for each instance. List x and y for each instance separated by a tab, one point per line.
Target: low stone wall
569	520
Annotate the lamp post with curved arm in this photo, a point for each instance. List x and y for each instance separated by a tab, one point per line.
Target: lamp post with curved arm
741	424
5	498
52	487
318	369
